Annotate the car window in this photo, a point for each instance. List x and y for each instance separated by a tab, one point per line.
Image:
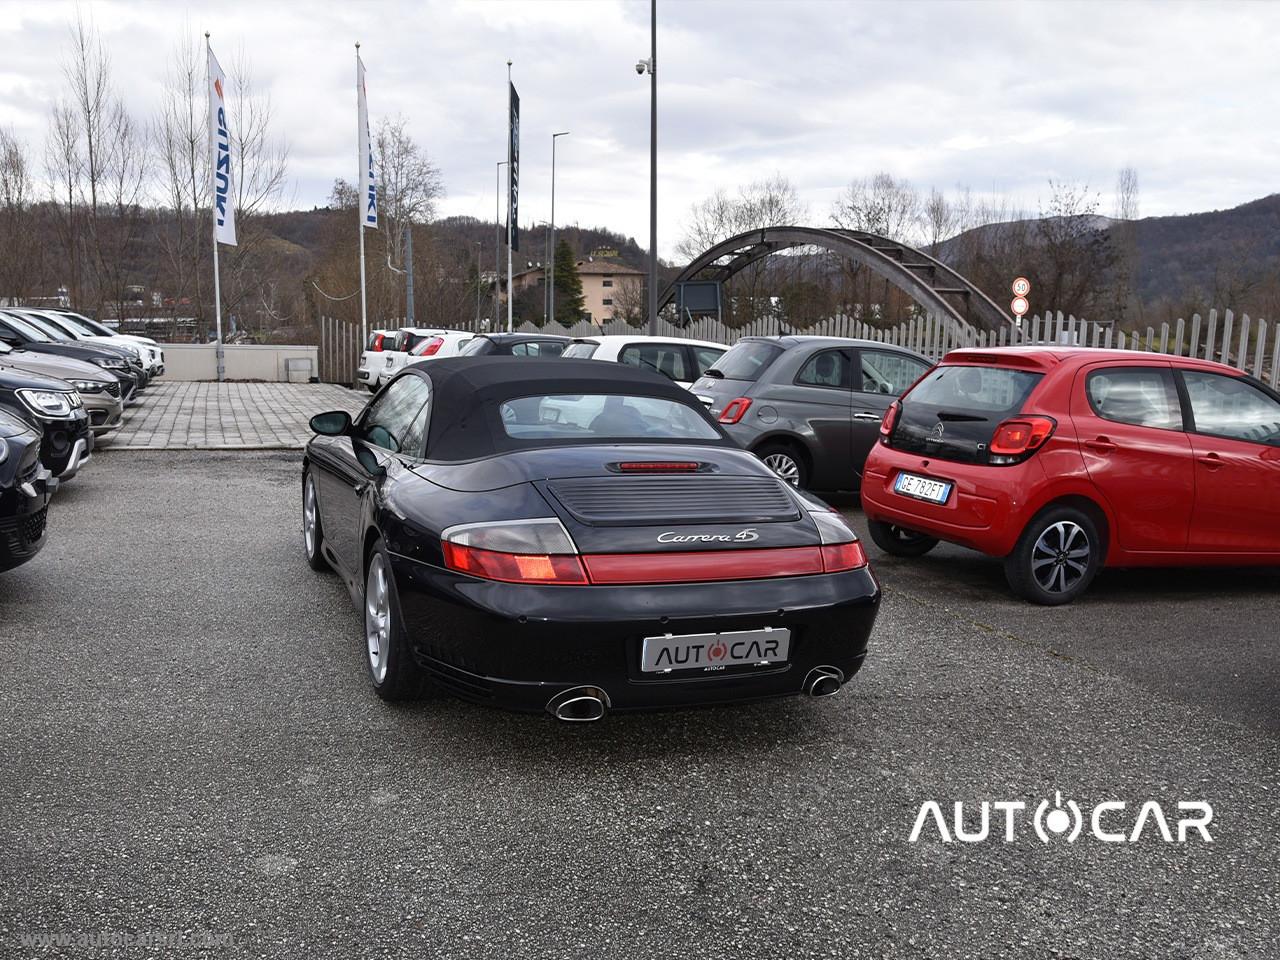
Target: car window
27	330
476	347
827	368
704	357
1224	406
887	372
538	348
612	416
397	420
747	360
581	351
1142	396
667	359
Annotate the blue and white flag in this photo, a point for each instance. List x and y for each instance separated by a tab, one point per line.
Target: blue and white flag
368	179
224	194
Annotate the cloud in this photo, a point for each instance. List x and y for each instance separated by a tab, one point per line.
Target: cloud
994	96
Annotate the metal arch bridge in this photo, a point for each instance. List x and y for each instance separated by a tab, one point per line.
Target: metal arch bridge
940	290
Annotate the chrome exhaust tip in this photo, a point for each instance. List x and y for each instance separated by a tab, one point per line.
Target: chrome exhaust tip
823	681
579	705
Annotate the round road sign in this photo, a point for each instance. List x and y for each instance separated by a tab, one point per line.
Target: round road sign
1019	306
1021	287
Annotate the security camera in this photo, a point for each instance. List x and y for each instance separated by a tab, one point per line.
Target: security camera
642	66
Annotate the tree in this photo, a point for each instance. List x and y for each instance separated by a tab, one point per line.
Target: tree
882	205
409	184
18	251
772	202
1125	236
570	306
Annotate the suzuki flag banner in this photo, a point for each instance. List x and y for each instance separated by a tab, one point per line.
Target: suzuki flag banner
224	202
368	180
513	173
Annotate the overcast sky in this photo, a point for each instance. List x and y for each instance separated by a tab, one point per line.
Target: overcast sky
999	97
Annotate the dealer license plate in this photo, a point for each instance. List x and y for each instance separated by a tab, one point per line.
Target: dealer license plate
710	652
922	488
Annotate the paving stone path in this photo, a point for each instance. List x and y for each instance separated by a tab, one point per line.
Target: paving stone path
179	415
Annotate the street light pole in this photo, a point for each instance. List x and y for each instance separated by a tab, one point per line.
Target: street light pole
653	168
497	235
551	257
479	251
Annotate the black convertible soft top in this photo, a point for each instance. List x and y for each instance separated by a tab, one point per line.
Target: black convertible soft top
466	392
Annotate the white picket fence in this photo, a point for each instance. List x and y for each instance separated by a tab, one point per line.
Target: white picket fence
1252	346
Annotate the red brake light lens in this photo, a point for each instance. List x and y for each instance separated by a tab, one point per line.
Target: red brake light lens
735	410
888	420
430	347
837	557
513	567
659	466
1020	437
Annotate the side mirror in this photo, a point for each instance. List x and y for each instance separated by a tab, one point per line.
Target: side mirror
335	423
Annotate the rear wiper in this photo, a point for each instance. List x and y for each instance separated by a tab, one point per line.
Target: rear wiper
713	373
948	417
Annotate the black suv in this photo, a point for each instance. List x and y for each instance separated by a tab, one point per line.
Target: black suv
24	492
54	407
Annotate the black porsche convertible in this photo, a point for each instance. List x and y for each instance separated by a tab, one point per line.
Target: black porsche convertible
554	535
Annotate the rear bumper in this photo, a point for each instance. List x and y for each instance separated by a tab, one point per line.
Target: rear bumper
987	509
518	645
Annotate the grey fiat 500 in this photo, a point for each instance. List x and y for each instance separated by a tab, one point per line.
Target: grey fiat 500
809	407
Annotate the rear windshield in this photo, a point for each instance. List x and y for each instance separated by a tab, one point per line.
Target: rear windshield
747	360
953	412
603	416
581	351
476	347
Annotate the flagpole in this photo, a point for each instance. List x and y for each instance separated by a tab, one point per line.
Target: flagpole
364	310
510	150
220	363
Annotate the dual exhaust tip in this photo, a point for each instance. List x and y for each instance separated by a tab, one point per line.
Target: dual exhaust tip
588	704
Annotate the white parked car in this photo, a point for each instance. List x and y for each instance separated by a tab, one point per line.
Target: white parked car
371	358
420	343
683	361
154	360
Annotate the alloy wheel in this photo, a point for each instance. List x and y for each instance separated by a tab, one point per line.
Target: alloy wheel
785	466
309	517
377	618
1060	558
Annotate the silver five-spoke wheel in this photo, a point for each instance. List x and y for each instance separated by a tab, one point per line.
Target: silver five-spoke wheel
309	517
377	618
1060	557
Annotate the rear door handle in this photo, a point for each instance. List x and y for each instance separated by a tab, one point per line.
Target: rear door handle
1101	445
868	416
1212	461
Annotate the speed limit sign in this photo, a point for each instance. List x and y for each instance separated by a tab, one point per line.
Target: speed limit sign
1019	306
1021	287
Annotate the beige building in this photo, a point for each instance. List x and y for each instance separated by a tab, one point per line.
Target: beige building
608	287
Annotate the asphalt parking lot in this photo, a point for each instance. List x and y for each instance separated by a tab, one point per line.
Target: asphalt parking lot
192	751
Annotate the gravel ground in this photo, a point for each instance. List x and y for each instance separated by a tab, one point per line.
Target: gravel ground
191	751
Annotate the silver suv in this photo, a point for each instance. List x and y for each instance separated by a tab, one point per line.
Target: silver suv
809	407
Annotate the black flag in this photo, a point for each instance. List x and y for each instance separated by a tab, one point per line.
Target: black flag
513	171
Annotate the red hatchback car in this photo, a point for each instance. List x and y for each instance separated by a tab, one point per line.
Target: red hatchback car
1062	460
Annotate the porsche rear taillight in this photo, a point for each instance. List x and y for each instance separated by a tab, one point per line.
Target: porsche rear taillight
514	551
1017	439
840	547
735	410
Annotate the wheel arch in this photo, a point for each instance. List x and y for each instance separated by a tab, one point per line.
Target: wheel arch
1089	505
785	438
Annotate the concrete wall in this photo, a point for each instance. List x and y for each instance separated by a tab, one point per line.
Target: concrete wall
198	361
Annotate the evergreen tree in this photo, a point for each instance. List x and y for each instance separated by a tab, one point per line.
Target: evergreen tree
570	306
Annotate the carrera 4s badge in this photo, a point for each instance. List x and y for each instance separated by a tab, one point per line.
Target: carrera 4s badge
748	535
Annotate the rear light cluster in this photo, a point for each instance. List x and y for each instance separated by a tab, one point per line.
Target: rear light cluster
541	551
659	466
735	410
1017	439
888	421
429	348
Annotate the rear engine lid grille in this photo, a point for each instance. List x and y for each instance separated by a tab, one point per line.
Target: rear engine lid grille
629	501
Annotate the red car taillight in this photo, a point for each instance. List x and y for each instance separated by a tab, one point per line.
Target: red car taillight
659	466
838	557
514	551
888	420
735	410
1017	439
377	342
428	348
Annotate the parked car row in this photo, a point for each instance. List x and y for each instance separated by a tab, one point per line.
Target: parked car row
64	382
390	351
